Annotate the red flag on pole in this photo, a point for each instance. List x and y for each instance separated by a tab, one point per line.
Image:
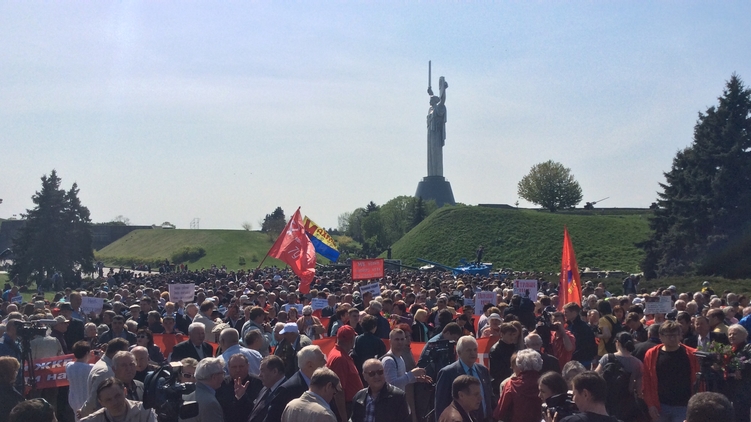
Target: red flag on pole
295	248
569	286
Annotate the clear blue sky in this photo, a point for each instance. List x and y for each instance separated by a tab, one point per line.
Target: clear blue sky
167	111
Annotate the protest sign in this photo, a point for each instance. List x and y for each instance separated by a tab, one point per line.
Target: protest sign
92	304
317	304
373	288
363	269
481	298
184	292
526	288
658	305
50	372
16	299
299	307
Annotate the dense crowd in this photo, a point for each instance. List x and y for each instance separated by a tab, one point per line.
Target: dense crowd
255	350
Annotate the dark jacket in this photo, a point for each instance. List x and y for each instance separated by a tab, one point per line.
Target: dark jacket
291	389
185	349
367	346
446	377
260	409
11	397
455	413
75	333
586	346
500	364
109	335
234	409
640	350
390	405
693	340
420	332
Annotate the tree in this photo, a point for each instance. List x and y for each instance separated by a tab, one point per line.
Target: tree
702	222
274	223
247	226
550	185
56	237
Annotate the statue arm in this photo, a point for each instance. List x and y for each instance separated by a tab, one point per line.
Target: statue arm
442	87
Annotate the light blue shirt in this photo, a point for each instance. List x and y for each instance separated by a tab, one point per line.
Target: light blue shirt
254	359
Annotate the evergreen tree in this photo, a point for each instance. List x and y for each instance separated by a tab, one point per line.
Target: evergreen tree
274	223
702	220
56	237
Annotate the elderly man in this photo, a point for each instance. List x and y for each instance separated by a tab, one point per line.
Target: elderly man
124	367
309	358
204	317
238	390
466	395
209	377
112	395
292	342
343	365
100	372
466	349
229	340
272	377
380	399
383	327
313	405
257	321
549	362
143	367
117	330
520	399
195	347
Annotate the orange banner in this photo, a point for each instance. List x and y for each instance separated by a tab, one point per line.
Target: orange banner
50	372
363	269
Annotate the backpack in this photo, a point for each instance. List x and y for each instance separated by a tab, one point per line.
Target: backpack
615	328
618	380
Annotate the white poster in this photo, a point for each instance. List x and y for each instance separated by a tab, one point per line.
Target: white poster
526	288
184	292
317	304
92	304
16	299
373	288
299	307
658	305
481	298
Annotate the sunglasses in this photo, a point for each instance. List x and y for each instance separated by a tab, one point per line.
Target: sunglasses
187	375
378	372
143	336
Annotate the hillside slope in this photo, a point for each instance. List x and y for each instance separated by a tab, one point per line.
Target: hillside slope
525	239
223	247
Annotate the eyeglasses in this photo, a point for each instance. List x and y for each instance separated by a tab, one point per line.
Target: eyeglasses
187	375
142	336
378	372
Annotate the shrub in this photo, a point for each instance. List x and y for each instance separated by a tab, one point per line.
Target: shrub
188	254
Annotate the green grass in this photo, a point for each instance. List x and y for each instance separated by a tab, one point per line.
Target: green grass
223	247
528	240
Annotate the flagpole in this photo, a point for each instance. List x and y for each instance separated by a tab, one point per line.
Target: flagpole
272	245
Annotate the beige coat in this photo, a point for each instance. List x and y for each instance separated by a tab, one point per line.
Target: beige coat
308	408
136	413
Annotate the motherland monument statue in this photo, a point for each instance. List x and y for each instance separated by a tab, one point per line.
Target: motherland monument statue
434	186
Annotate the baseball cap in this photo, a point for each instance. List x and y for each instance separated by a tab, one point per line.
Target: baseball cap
346	332
495	316
290	327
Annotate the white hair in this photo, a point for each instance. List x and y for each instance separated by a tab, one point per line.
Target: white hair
528	360
207	367
533	341
308	354
464	340
741	329
195	325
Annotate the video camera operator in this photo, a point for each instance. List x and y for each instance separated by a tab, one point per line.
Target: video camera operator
590	393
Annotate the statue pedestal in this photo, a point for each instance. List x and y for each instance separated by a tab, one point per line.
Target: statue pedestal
435	188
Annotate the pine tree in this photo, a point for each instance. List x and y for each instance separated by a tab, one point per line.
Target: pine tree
703	218
56	236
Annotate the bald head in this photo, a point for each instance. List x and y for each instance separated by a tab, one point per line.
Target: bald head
229	337
142	357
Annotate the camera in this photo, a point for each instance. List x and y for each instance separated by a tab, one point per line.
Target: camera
163	393
29	330
439	354
560	405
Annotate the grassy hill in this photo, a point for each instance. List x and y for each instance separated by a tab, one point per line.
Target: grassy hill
526	239
223	247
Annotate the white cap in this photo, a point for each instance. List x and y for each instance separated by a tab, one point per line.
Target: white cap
290	327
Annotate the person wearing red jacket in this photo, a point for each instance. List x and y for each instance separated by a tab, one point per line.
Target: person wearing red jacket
669	375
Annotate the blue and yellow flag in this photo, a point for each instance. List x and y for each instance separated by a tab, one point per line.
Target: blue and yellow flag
322	241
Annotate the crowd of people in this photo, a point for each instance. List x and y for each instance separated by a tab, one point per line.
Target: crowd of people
254	350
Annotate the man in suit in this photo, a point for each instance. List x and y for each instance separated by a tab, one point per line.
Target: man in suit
238	384
209	377
466	349
75	332
703	336
313	405
194	347
272	377
309	358
653	339
117	330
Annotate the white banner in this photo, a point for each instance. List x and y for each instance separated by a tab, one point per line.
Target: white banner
16	299
184	292
658	305
92	304
299	307
526	288
317	304
373	288
481	298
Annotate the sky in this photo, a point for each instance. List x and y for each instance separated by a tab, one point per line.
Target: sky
223	111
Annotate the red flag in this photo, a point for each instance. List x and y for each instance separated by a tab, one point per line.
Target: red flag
569	286
295	248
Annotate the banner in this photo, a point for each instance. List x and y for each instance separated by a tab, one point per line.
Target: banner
322	241
184	292
526	288
92	304
317	304
299	307
294	248
50	372
658	305
363	269
16	299
373	288
481	298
